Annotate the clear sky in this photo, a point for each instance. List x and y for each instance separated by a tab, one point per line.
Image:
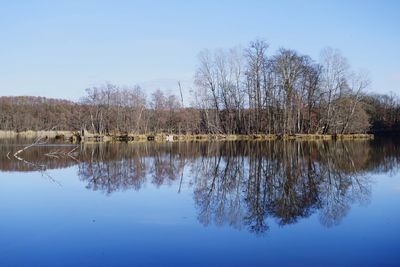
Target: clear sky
59	48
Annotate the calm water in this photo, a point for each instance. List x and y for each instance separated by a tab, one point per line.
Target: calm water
201	204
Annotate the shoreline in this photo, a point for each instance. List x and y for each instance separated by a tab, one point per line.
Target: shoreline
75	137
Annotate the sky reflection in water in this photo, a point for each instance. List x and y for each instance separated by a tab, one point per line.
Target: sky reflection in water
202	204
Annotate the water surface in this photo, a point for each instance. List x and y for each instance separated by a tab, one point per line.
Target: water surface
201	204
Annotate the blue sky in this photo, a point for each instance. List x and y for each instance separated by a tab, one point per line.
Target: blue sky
59	48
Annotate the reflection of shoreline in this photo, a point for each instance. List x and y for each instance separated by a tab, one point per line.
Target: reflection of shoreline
382	155
242	184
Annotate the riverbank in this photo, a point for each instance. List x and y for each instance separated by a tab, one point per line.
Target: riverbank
77	137
63	135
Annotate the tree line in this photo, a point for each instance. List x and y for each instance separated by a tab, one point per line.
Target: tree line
237	91
250	91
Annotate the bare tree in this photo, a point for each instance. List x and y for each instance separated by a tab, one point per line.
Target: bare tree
333	82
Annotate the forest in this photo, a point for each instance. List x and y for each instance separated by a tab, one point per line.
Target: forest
236	91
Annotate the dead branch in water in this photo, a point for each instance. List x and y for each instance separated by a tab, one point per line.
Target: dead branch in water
36	143
62	154
42	168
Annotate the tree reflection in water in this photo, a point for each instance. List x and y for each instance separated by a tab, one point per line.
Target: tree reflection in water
247	184
243	184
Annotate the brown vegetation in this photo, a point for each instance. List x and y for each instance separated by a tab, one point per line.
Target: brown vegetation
238	92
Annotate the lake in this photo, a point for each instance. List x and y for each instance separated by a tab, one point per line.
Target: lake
321	203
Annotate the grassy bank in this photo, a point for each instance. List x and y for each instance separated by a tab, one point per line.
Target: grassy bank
65	135
70	136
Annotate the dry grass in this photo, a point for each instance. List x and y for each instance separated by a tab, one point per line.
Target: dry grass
354	136
36	134
161	137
